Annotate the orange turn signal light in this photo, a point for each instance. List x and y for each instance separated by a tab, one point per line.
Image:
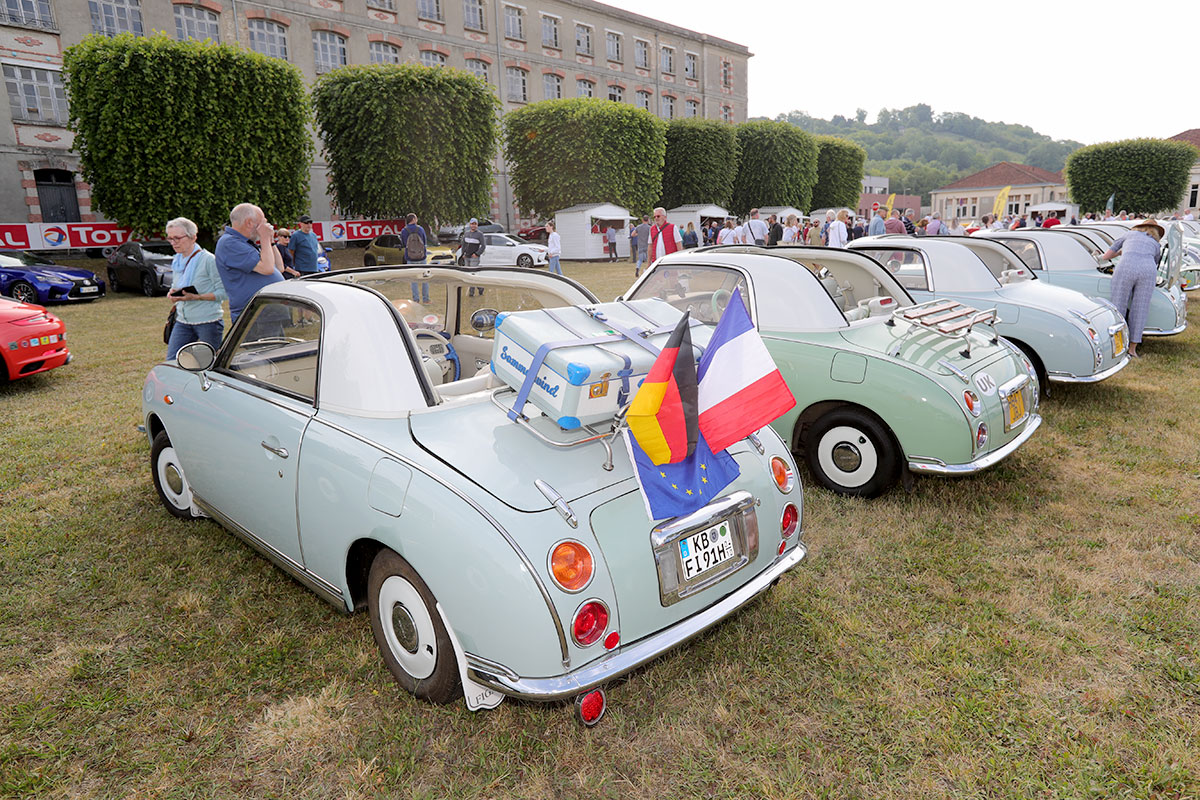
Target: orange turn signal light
571	565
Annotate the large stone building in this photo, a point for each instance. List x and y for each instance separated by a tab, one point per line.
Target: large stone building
1191	197
528	51
971	197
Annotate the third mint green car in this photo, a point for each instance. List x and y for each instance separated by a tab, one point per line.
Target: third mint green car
882	385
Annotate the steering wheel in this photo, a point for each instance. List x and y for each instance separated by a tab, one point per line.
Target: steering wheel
720	299
439	350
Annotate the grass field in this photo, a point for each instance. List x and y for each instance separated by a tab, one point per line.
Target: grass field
1029	632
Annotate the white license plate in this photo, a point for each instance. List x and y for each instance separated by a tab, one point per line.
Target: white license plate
88	289
705	550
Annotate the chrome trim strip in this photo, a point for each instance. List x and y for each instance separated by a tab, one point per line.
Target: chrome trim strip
629	657
309	579
928	467
962	376
706	517
1066	377
537	579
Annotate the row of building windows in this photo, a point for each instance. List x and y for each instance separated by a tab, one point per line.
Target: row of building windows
111	17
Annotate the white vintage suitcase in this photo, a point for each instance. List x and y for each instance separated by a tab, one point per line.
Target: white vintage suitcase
582	383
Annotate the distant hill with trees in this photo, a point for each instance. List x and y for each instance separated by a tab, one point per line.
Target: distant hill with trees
920	150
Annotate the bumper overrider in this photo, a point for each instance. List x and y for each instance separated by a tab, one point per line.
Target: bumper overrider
631	656
932	466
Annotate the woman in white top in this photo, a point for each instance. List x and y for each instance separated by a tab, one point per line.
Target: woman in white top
554	248
838	234
791	231
727	233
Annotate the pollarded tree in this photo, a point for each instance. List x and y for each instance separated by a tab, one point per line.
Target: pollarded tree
585	150
701	162
402	138
167	129
1146	175
839	173
777	167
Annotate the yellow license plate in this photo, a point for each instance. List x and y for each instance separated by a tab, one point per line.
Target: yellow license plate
1118	342
1016	408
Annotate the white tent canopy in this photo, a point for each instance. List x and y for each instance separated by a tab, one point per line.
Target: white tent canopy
582	229
1067	209
780	212
699	215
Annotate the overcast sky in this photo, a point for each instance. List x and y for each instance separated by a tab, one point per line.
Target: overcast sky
1092	71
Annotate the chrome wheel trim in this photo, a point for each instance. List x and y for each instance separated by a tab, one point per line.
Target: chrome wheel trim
836	446
414	644
172	480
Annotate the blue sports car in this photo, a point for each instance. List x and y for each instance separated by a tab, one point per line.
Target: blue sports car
30	278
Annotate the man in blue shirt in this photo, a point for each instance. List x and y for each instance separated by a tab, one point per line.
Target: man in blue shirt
243	267
876	227
304	247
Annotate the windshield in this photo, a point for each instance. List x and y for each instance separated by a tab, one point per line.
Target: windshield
704	291
159	249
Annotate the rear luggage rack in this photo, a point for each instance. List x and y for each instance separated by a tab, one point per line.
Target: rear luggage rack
945	317
593	433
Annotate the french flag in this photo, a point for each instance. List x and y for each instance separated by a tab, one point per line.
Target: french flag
740	389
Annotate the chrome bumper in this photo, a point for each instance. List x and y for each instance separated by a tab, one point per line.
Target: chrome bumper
628	657
929	467
1063	377
1157	332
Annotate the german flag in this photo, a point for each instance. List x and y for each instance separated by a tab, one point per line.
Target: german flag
664	415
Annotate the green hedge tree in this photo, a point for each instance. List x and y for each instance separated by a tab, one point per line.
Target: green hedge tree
166	129
701	162
839	173
1146	175
585	150
777	167
402	138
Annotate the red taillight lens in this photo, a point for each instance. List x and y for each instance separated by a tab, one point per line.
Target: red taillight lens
590	621
590	707
790	521
571	565
37	319
981	434
612	640
972	401
781	471
782	547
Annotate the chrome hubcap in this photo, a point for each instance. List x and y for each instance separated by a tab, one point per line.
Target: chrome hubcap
174	479
847	457
405	628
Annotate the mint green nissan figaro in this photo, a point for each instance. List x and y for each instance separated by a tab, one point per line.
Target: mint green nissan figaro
361	441
884	387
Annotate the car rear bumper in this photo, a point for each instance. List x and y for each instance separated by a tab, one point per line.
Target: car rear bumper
38	362
933	467
1160	332
628	657
1066	377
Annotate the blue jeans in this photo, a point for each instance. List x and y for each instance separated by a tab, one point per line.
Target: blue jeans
554	265
183	333
641	259
423	297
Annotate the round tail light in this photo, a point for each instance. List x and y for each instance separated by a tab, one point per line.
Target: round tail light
972	401
781	471
1095	337
612	640
981	436
790	521
590	706
590	622
571	565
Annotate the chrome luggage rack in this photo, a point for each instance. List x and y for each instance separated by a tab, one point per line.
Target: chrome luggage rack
592	432
945	317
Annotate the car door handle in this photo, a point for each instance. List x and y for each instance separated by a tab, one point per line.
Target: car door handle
279	451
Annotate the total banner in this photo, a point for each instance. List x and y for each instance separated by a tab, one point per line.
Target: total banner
76	235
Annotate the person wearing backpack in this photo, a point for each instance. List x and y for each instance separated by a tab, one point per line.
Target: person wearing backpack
413	243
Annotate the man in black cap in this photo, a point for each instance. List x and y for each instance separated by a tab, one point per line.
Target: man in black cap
304	247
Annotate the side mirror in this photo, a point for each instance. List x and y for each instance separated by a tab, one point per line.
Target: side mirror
196	356
484	320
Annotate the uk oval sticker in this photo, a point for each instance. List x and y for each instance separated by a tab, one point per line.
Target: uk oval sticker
986	383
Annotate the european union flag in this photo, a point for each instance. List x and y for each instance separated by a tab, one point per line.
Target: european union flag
685	486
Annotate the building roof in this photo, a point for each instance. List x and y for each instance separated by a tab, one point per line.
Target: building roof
640	19
1191	137
1004	174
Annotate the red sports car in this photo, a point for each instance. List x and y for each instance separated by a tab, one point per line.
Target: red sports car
31	338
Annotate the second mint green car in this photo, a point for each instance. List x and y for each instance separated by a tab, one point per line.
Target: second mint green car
883	386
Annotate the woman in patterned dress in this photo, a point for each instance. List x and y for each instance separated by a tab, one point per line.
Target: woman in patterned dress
1135	276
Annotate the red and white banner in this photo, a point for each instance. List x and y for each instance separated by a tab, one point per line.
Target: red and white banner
78	235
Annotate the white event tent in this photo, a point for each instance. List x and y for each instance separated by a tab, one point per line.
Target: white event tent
581	228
